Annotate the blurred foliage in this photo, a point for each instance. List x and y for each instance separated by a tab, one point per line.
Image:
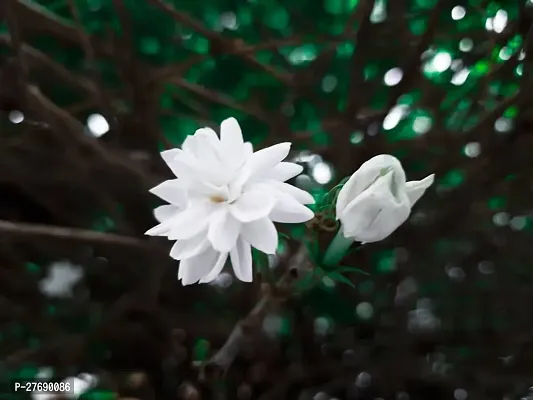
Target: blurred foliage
441	84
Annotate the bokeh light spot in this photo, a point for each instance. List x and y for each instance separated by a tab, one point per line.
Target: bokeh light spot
97	124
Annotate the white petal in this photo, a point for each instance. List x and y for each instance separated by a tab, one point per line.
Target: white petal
415	189
285	171
235	187
187	166
230	133
191	221
208	134
262	235
171	191
267	158
232	143
204	166
375	213
209	148
252	205
241	260
190	144
206	189
289	210
215	272
169	156
223	230
193	269
193	143
213	166
300	195
162	229
165	212
188	248
248	150
366	175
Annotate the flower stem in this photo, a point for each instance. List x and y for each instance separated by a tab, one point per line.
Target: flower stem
337	249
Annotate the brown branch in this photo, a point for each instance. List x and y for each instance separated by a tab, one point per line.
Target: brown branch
244	330
32	12
21	75
90	64
411	68
361	15
37	58
219	98
74	235
228	45
62	121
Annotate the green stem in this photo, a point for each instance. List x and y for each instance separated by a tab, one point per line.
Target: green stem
337	249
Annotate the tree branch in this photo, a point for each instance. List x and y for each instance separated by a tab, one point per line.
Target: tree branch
244	330
33	231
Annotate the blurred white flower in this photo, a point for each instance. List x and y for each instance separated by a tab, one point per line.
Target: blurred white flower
225	201
82	383
62	276
376	199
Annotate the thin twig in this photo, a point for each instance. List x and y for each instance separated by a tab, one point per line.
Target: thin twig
243	331
37	58
227	44
34	231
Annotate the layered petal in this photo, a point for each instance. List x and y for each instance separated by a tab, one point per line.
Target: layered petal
185	164
252	205
162	229
195	143
290	211
168	157
298	194
215	271
415	189
232	143
210	135
165	212
164	215
248	150
191	270
261	234
188	248
285	171
375	213
172	192
266	159
241	260
207	164
191	221
282	172
366	175
223	230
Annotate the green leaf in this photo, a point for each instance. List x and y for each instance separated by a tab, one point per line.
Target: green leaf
340	278
347	268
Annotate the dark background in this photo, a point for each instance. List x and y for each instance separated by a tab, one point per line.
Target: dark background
443	310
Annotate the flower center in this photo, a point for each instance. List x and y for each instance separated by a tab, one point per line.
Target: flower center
217	199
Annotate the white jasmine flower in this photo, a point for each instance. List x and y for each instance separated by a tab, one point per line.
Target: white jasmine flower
62	276
376	200
225	201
